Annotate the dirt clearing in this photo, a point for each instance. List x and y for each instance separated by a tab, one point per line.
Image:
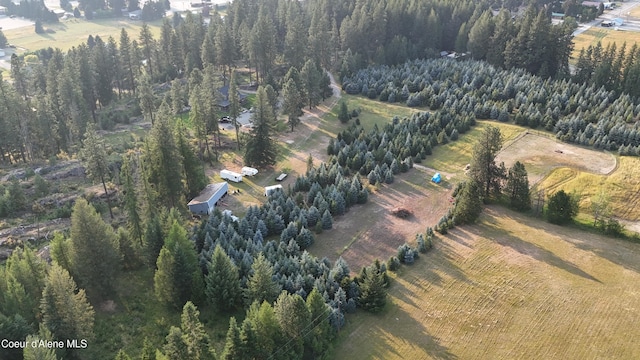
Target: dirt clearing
541	154
510	287
371	231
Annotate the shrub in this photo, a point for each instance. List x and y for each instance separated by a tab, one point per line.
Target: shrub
393	263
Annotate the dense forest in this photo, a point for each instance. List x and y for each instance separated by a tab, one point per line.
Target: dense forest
91	81
579	113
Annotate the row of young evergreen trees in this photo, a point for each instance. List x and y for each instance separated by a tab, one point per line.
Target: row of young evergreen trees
577	113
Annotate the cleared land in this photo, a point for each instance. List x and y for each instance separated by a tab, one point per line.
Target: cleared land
72	32
605	36
511	287
541	154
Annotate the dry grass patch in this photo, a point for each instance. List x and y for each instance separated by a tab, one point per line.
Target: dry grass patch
622	186
605	36
510	287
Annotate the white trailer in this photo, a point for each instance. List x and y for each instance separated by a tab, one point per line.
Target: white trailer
231	176
270	189
249	171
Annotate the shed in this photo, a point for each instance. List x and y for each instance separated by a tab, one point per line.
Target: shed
206	201
436	178
249	171
269	189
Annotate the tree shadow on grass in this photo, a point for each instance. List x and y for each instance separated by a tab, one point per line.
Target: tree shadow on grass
401	330
504	238
618	251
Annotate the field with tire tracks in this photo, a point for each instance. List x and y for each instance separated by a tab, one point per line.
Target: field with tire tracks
509	287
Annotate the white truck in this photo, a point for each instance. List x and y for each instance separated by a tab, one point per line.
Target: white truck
231	176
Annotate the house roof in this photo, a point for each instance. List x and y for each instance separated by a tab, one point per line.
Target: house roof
207	193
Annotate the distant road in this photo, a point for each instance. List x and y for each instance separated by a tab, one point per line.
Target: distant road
621	12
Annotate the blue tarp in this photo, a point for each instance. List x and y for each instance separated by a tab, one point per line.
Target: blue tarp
436	178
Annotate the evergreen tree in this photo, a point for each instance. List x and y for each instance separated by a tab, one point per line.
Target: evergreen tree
483	169
93	250
261	149
468	203
561	208
232	345
517	187
153	240
177	279
234	106
194	175
194	334
261	286
134	221
146	98
126	250
343	113
310	76
293	317
39	352
65	310
96	164
292	102
24	274
148	350
176	348
372	291
223	284
163	162
122	355
320	336
327	220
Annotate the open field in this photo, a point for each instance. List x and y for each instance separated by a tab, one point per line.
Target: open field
605	36
510	287
541	154
72	32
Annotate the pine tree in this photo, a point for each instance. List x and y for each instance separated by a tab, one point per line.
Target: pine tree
343	113
561	208
321	334
153	240
178	278
194	175
517	187
327	220
310	76
372	291
293	103
176	348
261	286
94	155
222	282
134	221
65	310
293	317
122	355
234	105
232	344
261	149
468	203
25	276
93	250
39	352
483	169
163	162
146	98
194	334
148	350
249	340
126	250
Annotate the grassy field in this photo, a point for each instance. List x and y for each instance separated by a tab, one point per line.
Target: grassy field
510	287
622	186
72	32
605	36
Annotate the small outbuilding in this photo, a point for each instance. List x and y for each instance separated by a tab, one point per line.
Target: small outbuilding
249	171
436	178
270	189
205	202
